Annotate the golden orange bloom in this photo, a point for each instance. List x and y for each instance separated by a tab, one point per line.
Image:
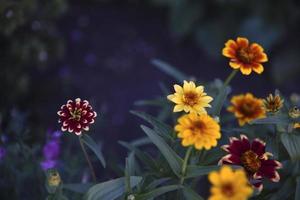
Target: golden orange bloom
297	125
245	56
190	98
228	184
202	131
246	108
273	103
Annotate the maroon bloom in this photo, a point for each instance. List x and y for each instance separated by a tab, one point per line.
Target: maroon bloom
253	157
76	116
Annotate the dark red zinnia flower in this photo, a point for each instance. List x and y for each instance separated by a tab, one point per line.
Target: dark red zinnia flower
76	116
253	157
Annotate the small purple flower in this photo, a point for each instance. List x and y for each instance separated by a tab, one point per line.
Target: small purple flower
48	164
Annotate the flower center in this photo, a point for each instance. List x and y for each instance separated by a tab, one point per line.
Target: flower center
227	190
76	114
198	127
190	98
245	55
247	108
250	161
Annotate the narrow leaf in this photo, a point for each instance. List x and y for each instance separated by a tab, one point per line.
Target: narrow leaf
110	190
292	144
191	194
78	187
94	147
219	101
195	170
277	119
157	192
169	70
172	158
163	129
297	195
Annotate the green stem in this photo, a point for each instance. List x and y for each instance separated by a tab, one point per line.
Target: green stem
87	159
230	77
185	163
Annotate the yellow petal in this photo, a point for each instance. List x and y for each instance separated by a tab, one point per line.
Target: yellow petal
246	70
234	65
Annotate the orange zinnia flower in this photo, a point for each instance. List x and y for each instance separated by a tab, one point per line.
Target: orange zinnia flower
245	56
247	108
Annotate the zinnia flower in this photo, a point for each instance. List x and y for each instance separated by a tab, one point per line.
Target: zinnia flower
190	98
76	116
253	157
297	125
228	184
246	108
202	131
245	56
273	103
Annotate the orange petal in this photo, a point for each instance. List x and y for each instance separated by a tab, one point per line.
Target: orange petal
258	68
261	57
231	44
228	52
242	42
256	47
246	70
235	65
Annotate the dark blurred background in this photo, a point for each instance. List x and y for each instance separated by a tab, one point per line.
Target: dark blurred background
100	50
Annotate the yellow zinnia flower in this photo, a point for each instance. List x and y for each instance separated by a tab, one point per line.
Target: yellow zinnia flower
202	131
247	108
245	56
190	98
228	184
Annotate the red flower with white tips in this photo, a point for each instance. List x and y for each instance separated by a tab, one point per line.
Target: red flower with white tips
253	157
76	116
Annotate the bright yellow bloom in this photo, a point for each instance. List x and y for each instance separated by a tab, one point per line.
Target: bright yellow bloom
202	131
297	125
245	56
190	98
247	108
228	184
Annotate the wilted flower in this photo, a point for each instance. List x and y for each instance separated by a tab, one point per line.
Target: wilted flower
76	116
273	103
246	108
53	179
294	112
228	184
190	98
253	157
202	131
245	56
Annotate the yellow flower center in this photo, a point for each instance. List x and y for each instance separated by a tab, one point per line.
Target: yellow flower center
227	190
190	98
250	161
76	114
245	55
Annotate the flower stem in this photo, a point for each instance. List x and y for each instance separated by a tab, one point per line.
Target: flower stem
185	163
230	77
87	159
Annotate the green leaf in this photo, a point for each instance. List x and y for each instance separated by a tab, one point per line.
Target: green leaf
191	194
297	195
195	170
157	192
285	190
276	119
78	187
291	142
94	147
156	183
169	70
172	158
141	141
143	156
219	101
110	190
163	129
129	171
